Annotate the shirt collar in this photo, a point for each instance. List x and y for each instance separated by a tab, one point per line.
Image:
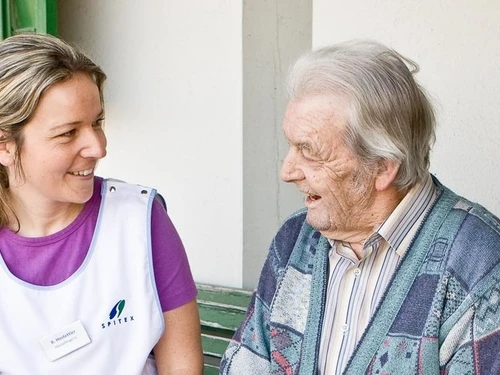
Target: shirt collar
398	229
406	217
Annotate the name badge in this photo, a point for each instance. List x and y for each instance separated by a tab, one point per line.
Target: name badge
65	341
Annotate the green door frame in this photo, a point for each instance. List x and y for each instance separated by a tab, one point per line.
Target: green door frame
18	16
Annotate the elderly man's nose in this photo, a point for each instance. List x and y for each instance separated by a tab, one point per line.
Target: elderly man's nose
290	171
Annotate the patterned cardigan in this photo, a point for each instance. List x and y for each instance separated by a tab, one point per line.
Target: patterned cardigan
440	313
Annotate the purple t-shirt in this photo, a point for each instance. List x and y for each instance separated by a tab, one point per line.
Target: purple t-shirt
52	259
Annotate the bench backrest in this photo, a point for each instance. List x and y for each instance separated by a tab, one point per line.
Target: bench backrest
222	310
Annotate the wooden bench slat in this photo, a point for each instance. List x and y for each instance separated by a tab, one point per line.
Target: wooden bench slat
213	345
222	306
224	296
209	370
219	319
221	310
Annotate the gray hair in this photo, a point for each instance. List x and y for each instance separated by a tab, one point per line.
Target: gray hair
389	116
29	65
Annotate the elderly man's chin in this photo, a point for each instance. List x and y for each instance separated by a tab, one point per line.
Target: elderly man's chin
320	221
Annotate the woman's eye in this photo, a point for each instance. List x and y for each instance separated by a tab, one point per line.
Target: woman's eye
98	124
68	133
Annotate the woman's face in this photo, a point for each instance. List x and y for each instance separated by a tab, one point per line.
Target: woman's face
62	144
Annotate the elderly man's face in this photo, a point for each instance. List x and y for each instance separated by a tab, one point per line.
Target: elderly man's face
324	169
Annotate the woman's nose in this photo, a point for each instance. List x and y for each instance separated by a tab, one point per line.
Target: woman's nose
94	144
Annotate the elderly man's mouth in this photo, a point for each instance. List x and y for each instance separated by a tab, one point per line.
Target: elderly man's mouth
312	199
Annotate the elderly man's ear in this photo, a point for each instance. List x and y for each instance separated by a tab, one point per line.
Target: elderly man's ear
388	170
7	151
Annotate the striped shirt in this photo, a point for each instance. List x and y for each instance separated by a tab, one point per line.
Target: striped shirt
355	287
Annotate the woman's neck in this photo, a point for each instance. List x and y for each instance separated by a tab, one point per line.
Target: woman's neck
39	219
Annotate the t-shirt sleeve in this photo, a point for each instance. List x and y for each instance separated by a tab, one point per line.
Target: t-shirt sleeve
173	277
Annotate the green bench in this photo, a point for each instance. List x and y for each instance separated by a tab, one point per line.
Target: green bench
222	310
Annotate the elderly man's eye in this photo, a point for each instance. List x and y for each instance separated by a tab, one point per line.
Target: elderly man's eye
305	149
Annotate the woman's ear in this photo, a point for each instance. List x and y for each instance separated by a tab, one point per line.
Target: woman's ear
7	151
387	173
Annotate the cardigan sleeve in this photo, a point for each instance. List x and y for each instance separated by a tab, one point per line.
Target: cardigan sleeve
249	351
473	343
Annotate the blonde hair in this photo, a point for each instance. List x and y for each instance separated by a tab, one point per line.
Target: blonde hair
29	65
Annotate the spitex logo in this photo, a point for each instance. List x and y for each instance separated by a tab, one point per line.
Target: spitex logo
115	318
117	309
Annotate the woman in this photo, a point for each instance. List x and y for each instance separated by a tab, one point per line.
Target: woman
93	276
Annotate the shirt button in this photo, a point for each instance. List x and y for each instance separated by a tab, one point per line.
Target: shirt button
344	328
357	272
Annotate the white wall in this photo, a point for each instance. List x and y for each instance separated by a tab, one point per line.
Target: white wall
274	34
457	45
174	113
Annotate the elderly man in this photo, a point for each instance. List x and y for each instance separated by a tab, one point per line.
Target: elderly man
386	271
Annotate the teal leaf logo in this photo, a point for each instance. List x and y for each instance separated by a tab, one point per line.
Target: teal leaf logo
117	309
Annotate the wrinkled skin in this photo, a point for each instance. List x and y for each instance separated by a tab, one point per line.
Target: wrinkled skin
342	196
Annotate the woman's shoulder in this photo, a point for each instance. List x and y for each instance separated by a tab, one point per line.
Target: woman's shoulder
113	184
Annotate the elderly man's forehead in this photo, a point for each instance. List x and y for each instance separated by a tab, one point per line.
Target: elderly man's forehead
316	109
